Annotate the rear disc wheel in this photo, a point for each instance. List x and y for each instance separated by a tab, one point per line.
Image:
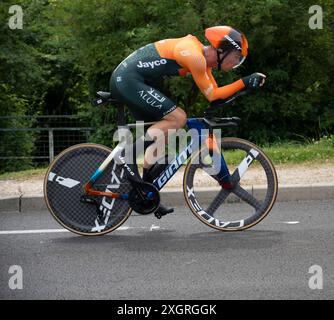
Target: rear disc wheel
64	187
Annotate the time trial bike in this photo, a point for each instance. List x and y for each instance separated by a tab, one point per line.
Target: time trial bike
91	190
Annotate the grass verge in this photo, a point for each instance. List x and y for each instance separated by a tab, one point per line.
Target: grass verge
312	153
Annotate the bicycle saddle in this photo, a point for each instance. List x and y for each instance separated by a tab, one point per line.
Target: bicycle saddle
103	98
104	95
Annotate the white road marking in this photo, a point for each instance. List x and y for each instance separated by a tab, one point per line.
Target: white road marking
153	227
291	222
33	231
46	231
285	222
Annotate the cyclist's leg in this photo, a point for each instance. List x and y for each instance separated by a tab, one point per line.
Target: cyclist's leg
173	120
169	120
148	104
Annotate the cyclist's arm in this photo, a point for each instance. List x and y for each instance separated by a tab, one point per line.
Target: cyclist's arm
196	64
212	79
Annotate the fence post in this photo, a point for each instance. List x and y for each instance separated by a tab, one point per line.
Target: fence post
51	145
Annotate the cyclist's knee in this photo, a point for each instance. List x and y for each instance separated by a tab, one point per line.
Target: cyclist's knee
178	117
182	118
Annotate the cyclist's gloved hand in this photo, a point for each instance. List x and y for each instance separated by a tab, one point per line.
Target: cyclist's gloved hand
254	81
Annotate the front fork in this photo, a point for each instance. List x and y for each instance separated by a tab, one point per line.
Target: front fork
222	173
219	164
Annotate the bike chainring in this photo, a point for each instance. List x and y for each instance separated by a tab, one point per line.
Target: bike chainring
144	198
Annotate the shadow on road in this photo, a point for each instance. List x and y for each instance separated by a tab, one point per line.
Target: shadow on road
169	240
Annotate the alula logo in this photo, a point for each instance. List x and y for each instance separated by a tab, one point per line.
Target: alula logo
152	98
151	64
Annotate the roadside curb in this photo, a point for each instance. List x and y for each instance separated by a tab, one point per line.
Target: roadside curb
285	193
174	197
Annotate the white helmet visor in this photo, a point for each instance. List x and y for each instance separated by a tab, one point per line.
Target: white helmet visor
241	61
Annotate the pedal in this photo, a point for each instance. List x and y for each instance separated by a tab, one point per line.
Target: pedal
158	215
163	211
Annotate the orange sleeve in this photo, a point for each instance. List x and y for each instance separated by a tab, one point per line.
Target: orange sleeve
212	79
195	62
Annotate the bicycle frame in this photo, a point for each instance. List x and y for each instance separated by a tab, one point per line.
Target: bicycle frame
192	123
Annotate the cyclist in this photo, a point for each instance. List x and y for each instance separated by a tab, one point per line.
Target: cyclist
134	81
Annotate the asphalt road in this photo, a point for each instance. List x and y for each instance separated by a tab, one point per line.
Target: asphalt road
176	257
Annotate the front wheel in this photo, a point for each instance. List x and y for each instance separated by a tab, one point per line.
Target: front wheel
253	185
